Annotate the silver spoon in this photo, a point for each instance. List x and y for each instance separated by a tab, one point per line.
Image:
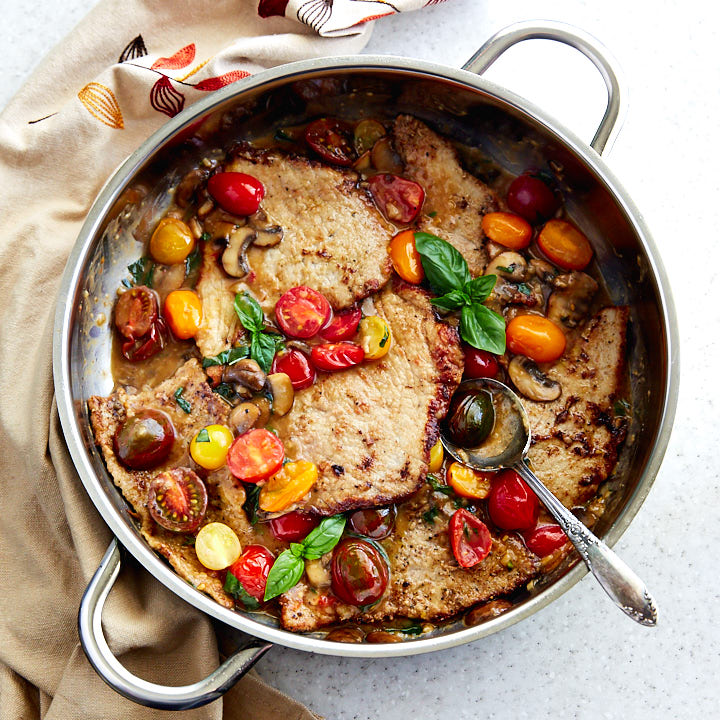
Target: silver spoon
625	588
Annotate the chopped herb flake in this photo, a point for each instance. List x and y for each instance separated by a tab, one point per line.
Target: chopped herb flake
429	515
250	506
203	436
226	391
440	487
183	404
502	268
524	289
205	236
385	337
432	213
621	408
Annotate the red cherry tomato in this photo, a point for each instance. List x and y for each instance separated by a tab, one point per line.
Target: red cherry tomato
359	572
375	523
398	199
301	312
177	500
532	198
148	345
512	504
331	357
135	312
470	538
235	192
480	363
343	325
255	455
144	440
545	539
251	569
293	526
296	365
332	140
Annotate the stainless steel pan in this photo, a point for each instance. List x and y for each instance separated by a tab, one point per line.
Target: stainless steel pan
462	105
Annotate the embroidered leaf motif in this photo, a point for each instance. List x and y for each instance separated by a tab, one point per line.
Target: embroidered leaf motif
215	83
134	49
165	98
102	104
315	13
182	58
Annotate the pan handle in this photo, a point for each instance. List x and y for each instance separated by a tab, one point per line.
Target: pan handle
597	53
132	687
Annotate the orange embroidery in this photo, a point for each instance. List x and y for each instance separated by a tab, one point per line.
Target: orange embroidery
215	83
182	58
197	68
102	104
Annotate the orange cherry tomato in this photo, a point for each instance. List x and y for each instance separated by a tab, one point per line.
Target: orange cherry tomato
507	229
469	483
292	483
183	311
565	245
405	257
255	455
536	337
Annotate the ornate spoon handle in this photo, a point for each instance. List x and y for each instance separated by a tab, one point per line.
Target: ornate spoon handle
625	588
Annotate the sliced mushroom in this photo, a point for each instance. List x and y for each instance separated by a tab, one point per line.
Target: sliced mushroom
531	381
282	392
188	185
265	407
268	233
220	225
509	266
234	259
570	302
318	573
542	269
244	417
246	372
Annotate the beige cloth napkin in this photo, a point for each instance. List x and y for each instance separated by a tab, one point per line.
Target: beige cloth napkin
127	67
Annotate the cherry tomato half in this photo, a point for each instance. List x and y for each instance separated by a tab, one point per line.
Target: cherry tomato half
331	357
296	365
291	483
375	337
171	242
209	447
148	345
359	572
565	245
144	440
437	455
512	504
536	337
237	193
177	500
217	546
532	198
398	199
135	312
293	526
545	539
480	363
302	312
470	538
332	140
343	325
469	483
251	570
183	311
255	455
507	229
405	257
375	523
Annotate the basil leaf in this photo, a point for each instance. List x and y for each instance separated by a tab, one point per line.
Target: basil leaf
296	549
227	357
445	268
483	328
414	629
225	390
324	537
284	574
142	271
479	288
262	349
453	300
436	485
250	506
250	313
183	404
235	588
192	261
203	436
429	515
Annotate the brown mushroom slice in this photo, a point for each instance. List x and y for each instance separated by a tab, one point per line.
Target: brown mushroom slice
508	265
531	381
268	233
282	392
234	258
246	372
569	304
244	417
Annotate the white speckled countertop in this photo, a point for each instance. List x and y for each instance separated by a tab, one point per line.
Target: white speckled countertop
578	658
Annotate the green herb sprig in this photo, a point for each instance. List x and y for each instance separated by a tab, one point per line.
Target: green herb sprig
263	344
235	588
227	357
290	564
449	276
183	404
142	272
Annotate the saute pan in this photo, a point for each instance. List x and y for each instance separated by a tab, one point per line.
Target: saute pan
462	105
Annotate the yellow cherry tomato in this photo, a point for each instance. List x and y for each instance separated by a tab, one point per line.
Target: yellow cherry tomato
469	483
507	229
405	257
217	546
210	446
565	245
171	242
536	337
288	486
374	337
183	311
437	455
